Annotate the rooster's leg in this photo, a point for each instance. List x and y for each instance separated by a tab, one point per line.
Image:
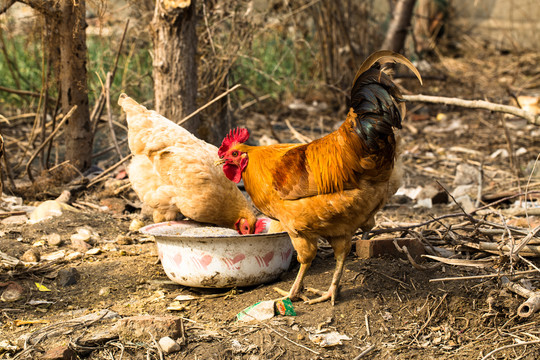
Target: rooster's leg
342	247
296	289
306	247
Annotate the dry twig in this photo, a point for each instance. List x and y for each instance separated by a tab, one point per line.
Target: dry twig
476	104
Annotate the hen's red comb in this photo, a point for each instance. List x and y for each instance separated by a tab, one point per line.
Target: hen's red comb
238	135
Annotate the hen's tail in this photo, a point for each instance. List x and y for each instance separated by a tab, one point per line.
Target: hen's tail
377	101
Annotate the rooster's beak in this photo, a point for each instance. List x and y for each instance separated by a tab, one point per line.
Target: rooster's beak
219	162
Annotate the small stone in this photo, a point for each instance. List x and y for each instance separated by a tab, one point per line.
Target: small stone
12	292
81	236
67	277
15	220
168	345
115	205
80	245
73	256
60	353
54	240
104	291
123	240
60	254
93	251
31	255
300	336
466	175
136	224
466	203
295	327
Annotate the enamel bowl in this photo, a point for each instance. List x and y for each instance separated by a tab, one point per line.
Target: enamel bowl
219	259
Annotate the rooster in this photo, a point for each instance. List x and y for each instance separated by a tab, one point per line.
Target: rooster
173	172
334	185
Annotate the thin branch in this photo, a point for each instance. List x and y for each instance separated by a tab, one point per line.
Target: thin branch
473	277
476	104
6	5
20	92
208	104
102	175
100	103
66	118
109	114
509	347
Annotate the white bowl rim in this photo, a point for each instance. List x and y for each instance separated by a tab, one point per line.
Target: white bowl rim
147	230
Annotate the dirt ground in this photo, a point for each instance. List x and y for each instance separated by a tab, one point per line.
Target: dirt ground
387	308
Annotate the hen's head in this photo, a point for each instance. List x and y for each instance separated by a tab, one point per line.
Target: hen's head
234	159
245	227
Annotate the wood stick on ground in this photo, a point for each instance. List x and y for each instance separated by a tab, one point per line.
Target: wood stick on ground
476	104
523	243
51	136
509	347
517	273
430	317
107	171
365	352
531	305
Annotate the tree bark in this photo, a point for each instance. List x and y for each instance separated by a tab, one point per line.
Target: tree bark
175	66
72	79
397	31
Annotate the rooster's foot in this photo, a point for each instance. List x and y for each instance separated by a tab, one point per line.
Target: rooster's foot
290	295
324	295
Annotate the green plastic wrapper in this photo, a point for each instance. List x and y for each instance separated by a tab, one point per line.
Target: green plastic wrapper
264	310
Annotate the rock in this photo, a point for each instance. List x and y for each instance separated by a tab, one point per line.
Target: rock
465	190
435	194
73	256
48	209
54	240
105	291
31	255
79	245
136	224
93	251
466	175
60	254
115	205
67	277
12	292
138	327
15	220
466	203
124	239
60	353
168	345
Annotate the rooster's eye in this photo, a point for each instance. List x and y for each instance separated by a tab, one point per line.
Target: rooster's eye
235	153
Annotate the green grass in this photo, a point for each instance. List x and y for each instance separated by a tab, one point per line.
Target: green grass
273	65
276	66
133	75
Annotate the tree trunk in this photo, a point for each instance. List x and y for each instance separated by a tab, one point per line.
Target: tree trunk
397	31
175	66
72	79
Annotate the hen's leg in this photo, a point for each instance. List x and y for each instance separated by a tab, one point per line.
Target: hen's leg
307	249
342	247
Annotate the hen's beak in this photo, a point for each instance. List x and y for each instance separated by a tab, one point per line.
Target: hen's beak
219	162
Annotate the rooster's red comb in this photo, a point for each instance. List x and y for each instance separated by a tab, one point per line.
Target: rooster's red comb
238	135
